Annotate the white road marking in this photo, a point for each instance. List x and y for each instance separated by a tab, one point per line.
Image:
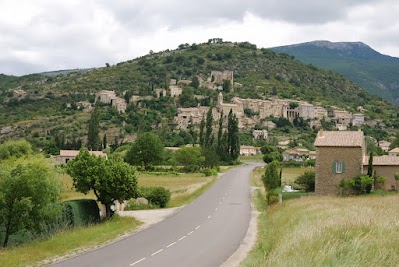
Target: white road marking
190	233
155	253
216	209
197	227
209	216
171	244
220	203
137	262
181	238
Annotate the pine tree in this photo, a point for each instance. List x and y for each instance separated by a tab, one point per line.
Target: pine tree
93	135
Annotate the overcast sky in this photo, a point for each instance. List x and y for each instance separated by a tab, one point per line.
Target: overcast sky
44	35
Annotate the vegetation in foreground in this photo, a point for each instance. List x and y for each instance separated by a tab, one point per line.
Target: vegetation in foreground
327	231
67	242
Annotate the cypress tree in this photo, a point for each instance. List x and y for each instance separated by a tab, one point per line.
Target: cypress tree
208	140
201	133
93	135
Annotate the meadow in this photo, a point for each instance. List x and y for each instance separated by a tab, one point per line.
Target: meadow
326	231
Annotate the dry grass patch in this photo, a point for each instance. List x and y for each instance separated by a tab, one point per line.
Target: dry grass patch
327	231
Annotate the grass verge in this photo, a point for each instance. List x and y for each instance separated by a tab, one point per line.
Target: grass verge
183	199
328	231
70	241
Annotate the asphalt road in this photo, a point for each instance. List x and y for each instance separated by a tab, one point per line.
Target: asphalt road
204	233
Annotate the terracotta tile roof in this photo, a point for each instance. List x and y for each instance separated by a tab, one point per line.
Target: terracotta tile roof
395	150
339	138
382	160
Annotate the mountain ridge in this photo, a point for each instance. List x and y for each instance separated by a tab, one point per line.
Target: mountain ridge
375	72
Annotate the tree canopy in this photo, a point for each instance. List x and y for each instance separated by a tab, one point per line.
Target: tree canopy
110	179
146	151
28	191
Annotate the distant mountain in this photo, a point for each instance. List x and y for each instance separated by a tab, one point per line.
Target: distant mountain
375	72
64	72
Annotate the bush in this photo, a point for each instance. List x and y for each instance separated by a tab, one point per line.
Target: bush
272	197
81	212
357	185
307	180
210	172
155	195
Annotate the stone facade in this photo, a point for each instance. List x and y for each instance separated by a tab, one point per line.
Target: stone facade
332	148
105	96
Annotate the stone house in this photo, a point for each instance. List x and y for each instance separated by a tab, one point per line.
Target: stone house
67	155
175	90
259	134
394	152
339	155
105	96
84	105
357	119
248	150
385	166
119	104
298	154
384	145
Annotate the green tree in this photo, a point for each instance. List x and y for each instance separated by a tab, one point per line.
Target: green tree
271	178
195	82
93	135
370	165
15	149
201	132
208	140
28	191
105	141
396	180
233	140
190	157
146	151
110	179
307	180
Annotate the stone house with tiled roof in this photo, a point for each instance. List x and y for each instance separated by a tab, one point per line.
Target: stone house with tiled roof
339	155
385	166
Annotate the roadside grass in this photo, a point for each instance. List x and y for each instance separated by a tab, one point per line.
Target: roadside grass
252	158
328	231
35	252
187	197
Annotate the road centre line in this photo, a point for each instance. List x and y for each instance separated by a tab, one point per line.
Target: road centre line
137	262
190	233
197	227
181	238
171	244
155	253
209	216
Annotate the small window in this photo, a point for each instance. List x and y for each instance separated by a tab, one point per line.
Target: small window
338	167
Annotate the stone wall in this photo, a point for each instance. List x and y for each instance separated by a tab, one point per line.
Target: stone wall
326	181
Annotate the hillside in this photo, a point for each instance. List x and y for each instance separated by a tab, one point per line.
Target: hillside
375	72
45	113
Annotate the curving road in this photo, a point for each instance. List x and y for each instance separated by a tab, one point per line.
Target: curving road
204	233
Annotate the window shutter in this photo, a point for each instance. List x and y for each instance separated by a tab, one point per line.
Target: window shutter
343	167
334	167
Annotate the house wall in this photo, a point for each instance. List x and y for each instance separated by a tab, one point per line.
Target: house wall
388	172
326	181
